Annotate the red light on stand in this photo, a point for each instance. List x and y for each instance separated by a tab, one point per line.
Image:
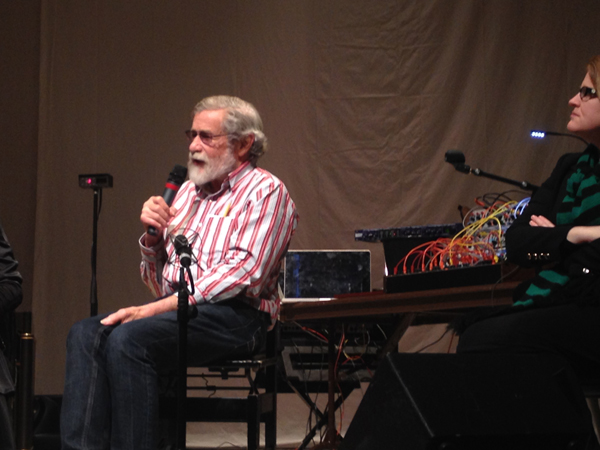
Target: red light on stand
95	180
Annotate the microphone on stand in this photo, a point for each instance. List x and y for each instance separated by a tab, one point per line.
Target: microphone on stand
457	159
183	250
174	182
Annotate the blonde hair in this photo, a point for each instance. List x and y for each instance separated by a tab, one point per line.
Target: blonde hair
593	68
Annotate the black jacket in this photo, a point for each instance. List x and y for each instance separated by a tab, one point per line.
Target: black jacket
530	246
10	279
11	295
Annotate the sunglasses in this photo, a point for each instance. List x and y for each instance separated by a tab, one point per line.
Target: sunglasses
585	93
205	136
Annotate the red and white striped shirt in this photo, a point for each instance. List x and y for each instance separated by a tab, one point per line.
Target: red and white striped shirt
239	236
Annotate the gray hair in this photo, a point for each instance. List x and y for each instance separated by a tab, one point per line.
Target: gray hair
242	120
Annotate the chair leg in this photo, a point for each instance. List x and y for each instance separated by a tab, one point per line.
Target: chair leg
595	412
271	417
253	422
271	430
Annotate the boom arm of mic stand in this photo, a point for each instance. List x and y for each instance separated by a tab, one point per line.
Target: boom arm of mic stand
522	184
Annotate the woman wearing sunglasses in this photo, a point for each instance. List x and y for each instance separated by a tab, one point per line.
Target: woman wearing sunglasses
558	311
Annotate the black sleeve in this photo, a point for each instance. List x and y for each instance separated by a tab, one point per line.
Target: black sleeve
528	246
11	293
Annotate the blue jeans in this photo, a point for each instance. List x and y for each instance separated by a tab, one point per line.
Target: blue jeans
111	387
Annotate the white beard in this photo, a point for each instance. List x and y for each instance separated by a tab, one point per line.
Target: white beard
212	169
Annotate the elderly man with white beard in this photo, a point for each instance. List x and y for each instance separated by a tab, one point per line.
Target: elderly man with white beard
239	220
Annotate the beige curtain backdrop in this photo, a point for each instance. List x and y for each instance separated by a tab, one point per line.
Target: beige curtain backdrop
360	100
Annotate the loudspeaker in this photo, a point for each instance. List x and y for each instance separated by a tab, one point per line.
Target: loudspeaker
468	402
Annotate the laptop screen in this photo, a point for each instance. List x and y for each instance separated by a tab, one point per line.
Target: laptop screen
323	274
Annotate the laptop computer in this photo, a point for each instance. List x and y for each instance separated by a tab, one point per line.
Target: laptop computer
320	275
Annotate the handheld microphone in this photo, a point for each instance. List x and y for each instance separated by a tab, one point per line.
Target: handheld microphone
174	182
183	250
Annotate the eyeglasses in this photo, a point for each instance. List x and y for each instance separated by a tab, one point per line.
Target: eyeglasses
585	93
205	137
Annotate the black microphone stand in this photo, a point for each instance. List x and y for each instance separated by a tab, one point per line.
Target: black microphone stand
94	285
95	181
184	313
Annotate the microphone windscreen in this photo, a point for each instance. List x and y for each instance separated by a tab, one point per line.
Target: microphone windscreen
177	175
454	157
180	242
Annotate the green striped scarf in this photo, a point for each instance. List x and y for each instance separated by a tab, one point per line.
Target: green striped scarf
580	206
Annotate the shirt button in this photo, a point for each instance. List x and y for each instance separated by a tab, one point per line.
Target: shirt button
585	270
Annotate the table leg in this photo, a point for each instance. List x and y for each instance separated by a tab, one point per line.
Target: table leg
332	438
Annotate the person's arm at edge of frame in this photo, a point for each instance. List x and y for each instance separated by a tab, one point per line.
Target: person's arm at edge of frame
11	292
